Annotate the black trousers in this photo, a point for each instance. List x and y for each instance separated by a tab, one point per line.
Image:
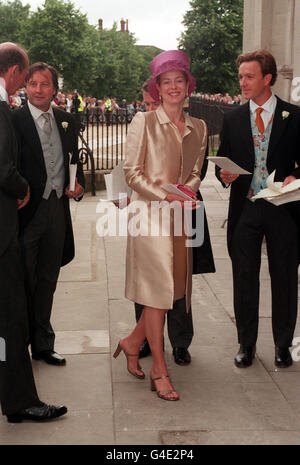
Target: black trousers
42	247
259	219
180	323
17	387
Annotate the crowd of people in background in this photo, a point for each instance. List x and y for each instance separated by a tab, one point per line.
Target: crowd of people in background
74	102
226	98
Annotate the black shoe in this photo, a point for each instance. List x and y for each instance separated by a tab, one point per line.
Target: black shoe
145	349
283	357
244	356
181	356
42	413
49	356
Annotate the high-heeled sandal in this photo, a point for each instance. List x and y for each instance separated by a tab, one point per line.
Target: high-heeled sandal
163	394
133	373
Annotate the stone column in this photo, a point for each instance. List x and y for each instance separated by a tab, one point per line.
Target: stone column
274	25
296	56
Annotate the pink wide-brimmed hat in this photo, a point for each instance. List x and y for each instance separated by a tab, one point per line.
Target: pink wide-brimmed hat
171	60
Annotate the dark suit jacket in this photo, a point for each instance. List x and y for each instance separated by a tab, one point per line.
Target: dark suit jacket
12	185
33	168
283	154
17	388
203	259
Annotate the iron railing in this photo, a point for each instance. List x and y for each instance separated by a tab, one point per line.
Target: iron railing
102	135
101	139
212	112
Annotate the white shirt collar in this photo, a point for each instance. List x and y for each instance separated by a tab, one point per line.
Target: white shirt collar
268	106
3	93
269	109
36	114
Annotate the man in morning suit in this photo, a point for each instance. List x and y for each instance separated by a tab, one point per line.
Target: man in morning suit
18	395
262	136
47	140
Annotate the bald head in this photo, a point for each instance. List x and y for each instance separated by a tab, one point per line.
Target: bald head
13	66
10	55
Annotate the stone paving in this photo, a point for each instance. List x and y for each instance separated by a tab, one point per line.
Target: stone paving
220	404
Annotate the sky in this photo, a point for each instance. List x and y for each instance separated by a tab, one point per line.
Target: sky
154	22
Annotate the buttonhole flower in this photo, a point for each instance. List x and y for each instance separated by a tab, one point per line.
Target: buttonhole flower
285	114
65	125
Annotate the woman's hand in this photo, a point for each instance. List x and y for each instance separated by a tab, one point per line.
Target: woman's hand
190	192
174	197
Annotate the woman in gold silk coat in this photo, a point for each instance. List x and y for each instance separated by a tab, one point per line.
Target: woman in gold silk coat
163	147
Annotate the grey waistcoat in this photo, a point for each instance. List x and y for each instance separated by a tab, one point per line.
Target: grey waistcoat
54	160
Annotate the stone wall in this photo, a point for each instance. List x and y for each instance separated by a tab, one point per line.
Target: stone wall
275	25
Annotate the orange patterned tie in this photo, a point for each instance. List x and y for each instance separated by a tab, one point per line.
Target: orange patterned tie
259	122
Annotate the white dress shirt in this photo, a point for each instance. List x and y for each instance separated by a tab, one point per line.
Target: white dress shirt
37	115
3	93
269	109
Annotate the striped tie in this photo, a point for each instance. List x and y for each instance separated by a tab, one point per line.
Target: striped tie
47	124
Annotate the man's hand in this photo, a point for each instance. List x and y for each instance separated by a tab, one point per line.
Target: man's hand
79	190
288	180
23	202
123	203
228	177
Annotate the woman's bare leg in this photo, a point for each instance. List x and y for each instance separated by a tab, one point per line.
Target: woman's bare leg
132	343
150	326
154	321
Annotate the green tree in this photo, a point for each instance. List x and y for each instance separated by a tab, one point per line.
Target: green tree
60	35
213	40
12	16
95	63
147	54
119	64
122	65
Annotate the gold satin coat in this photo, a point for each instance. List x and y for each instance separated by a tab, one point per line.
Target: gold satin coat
157	155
